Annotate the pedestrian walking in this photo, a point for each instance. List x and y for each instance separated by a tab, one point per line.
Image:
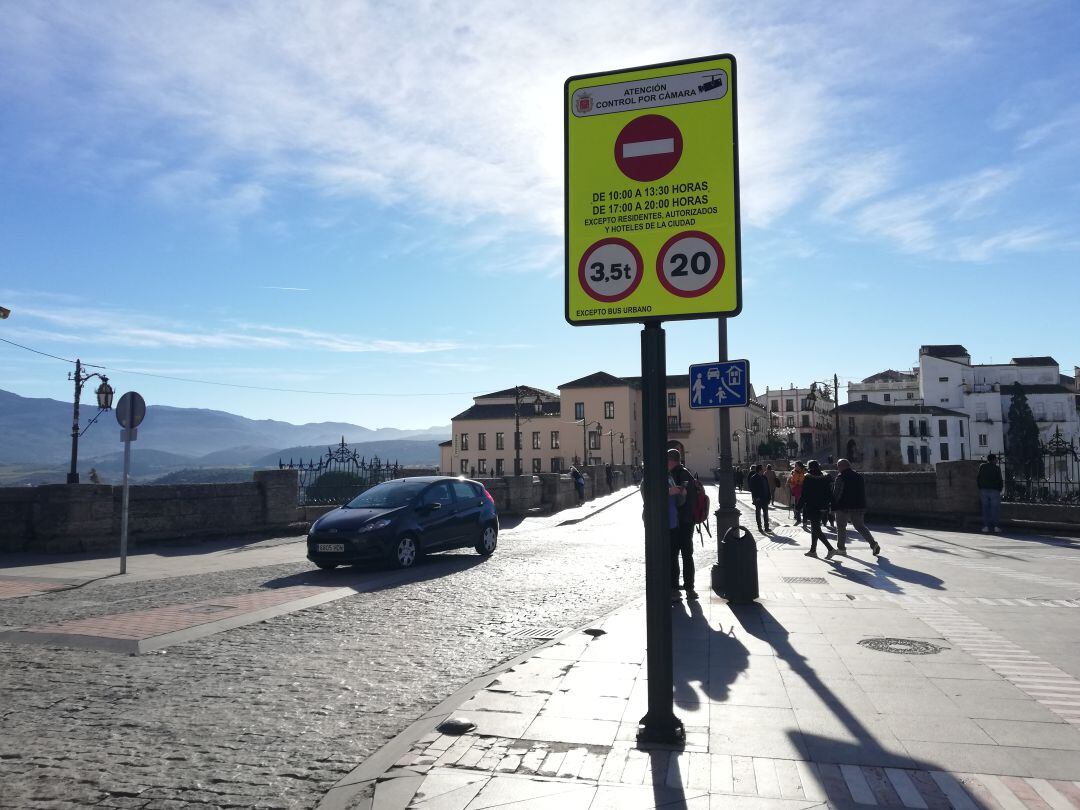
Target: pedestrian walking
990	486
761	494
795	485
609	476
816	500
682	536
579	483
849	501
830	514
739	478
774	482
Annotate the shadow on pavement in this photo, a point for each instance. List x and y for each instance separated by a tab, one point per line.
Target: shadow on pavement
862	748
712	674
428	568
882	575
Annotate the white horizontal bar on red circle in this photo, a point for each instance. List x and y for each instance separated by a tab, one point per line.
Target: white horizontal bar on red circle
661	146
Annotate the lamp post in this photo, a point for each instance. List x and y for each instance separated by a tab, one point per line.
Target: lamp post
738	450
538	407
585	425
622	443
104	394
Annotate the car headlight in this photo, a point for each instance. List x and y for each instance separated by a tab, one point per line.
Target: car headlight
375	525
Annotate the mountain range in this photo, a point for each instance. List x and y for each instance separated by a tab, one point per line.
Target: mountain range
35	434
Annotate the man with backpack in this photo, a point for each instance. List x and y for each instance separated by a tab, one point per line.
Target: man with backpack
682	536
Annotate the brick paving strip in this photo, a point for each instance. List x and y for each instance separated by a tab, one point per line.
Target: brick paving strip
15	587
147	630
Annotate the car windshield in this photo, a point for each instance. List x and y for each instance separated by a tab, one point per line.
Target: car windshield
387	496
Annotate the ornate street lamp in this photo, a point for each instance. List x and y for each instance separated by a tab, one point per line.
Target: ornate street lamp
538	409
104	394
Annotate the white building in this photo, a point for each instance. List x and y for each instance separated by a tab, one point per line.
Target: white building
946	379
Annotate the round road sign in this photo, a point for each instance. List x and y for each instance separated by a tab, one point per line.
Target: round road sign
131	410
690	264
610	270
648	148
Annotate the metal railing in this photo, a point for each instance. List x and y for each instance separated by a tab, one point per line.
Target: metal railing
339	476
1050	476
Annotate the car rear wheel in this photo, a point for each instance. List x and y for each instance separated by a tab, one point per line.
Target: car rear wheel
489	539
327	566
405	552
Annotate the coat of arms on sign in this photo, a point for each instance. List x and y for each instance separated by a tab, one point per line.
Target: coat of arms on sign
584	103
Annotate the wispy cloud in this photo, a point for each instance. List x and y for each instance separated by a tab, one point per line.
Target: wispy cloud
288	289
122	328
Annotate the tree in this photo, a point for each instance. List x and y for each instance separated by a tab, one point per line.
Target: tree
1023	452
773	446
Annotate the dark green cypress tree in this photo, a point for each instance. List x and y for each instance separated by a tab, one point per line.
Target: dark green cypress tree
1023	452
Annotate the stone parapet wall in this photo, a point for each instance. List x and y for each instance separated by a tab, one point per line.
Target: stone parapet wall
86	517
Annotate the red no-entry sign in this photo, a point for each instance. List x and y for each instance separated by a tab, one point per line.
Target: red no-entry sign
648	148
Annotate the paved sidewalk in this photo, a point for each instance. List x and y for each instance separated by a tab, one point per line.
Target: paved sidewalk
860	683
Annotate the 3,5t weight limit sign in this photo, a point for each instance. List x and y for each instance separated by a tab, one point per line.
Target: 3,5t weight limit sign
690	264
610	270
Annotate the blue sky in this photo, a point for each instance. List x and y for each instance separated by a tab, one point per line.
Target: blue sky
366	198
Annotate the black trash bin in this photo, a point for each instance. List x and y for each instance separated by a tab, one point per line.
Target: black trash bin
739	565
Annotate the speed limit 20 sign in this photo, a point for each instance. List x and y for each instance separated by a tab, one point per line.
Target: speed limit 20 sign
652	193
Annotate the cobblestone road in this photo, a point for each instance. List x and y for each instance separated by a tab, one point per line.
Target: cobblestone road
272	714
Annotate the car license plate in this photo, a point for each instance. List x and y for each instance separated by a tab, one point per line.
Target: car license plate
330	547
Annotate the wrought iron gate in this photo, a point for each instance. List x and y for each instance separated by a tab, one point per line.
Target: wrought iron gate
1053	476
340	475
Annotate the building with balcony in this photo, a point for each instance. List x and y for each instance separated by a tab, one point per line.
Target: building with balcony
596	418
947	380
804	414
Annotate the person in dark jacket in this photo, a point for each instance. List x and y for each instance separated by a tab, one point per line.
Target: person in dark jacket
816	499
849	502
990	486
682	536
761	494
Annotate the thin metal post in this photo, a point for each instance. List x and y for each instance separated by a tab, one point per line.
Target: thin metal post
517	430
660	723
124	503
836	413
73	473
727	513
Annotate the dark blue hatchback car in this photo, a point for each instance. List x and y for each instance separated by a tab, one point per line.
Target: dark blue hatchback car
398	521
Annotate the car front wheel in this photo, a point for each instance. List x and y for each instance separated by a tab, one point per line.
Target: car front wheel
489	538
405	552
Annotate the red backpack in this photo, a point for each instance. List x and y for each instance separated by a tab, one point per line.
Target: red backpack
698	502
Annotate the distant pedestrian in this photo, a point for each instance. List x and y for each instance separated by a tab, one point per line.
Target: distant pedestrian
94	477
990	486
816	500
774	482
739	479
849	501
682	535
760	493
579	483
609	475
795	484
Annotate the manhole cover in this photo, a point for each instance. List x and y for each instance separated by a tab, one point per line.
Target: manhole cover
209	608
805	580
901	646
543	633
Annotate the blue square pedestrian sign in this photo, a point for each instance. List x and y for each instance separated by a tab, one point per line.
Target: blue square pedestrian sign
723	384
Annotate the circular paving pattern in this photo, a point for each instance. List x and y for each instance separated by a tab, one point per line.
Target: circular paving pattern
901	646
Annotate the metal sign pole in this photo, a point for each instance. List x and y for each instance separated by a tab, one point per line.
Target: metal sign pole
660	723
727	513
124	508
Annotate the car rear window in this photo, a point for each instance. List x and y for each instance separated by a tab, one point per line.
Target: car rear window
465	491
387	496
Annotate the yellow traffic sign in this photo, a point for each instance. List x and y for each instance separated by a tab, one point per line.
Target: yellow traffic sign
652	193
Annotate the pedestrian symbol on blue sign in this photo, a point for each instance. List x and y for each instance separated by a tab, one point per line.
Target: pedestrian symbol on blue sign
720	385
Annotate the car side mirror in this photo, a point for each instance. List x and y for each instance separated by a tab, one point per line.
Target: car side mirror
431	507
